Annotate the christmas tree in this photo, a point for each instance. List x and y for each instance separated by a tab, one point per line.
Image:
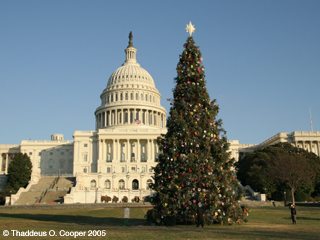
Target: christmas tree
195	168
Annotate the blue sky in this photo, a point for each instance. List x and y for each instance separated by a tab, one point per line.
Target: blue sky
261	59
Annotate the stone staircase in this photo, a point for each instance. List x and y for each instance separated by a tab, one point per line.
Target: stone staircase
35	191
60	189
248	196
47	190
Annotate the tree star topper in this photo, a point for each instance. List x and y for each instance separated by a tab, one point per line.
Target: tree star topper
190	28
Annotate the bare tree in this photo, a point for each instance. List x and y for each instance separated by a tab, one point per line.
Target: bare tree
291	168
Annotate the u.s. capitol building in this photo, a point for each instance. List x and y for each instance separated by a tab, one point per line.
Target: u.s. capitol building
115	159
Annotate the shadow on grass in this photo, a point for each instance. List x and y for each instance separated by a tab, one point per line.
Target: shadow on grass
245	231
81	220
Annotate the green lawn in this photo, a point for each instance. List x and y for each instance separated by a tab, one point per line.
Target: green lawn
264	223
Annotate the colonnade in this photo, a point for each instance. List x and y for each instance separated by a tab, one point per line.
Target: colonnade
309	145
123	116
128	150
4	162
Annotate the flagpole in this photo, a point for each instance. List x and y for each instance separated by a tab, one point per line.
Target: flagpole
311	119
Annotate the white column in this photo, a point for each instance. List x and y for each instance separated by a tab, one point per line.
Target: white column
117	117
105	118
100	150
116	150
138	150
152	150
122	116
128	150
6	169
149	150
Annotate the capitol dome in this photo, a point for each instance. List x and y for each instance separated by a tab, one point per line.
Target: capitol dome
130	97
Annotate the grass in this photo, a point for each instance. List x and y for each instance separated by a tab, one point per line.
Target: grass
264	223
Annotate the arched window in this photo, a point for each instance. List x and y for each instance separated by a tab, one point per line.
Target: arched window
146	97
116	97
121	184
137	96
148	183
135	184
142	96
50	163
126	96
111	97
93	183
120	96
131	97
107	184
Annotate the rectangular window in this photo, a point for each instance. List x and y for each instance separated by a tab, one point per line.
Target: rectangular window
62	153
123	169
109	152
84	170
122	153
143	169
39	153
85	158
85	145
108	169
133	169
70	164
156	153
132	153
30	153
143	153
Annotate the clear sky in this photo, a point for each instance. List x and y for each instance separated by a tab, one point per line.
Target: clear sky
261	59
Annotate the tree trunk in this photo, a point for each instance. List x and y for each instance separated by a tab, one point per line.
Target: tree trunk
292	192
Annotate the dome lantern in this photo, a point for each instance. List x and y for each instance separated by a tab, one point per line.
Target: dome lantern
130	53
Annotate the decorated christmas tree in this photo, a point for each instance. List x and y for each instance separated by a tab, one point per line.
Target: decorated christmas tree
195	169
